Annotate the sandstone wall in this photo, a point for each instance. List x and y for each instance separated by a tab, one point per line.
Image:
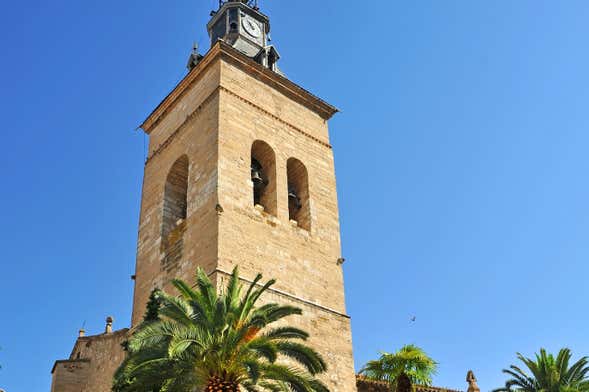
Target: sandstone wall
304	262
69	375
92	364
190	129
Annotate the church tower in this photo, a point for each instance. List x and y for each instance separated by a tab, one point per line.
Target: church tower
240	172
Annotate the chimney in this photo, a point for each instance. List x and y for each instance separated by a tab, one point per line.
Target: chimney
109	321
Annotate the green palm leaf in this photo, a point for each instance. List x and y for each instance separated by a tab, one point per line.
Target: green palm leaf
209	340
547	373
410	360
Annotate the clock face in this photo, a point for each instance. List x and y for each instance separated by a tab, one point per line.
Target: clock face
251	27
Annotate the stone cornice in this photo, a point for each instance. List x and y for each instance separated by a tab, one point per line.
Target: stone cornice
72	361
182	126
109	335
200	107
173	97
280	83
226	52
285	294
293	127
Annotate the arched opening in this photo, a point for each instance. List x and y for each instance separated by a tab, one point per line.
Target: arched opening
263	176
175	197
299	206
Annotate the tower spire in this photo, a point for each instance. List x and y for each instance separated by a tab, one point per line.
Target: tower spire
194	57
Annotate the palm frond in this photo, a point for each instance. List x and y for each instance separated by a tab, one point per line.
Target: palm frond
175	308
304	355
410	360
202	338
547	373
286	333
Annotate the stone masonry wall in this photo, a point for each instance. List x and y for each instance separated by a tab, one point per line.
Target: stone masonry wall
92	364
69	376
330	335
305	263
189	129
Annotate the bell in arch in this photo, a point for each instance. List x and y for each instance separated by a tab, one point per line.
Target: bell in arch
257	178
257	174
293	198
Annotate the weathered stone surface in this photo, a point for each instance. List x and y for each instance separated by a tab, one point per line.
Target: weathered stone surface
92	364
70	375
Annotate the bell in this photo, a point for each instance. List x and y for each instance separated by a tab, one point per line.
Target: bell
294	198
257	178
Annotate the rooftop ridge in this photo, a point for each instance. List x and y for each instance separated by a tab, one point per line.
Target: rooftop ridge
384	385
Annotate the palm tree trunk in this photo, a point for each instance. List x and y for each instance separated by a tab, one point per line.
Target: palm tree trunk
403	383
217	384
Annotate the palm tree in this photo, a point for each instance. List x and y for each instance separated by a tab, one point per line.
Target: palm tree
207	341
409	365
548	374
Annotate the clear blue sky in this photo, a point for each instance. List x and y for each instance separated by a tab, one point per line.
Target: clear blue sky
461	155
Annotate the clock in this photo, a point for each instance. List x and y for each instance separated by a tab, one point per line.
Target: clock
251	27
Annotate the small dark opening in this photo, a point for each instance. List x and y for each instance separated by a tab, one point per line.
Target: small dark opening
271	61
294	201
299	209
263	176
233	19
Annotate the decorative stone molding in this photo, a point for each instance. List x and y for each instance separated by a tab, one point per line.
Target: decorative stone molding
233	56
285	294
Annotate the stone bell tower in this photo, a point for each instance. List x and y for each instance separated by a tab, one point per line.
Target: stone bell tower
239	171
